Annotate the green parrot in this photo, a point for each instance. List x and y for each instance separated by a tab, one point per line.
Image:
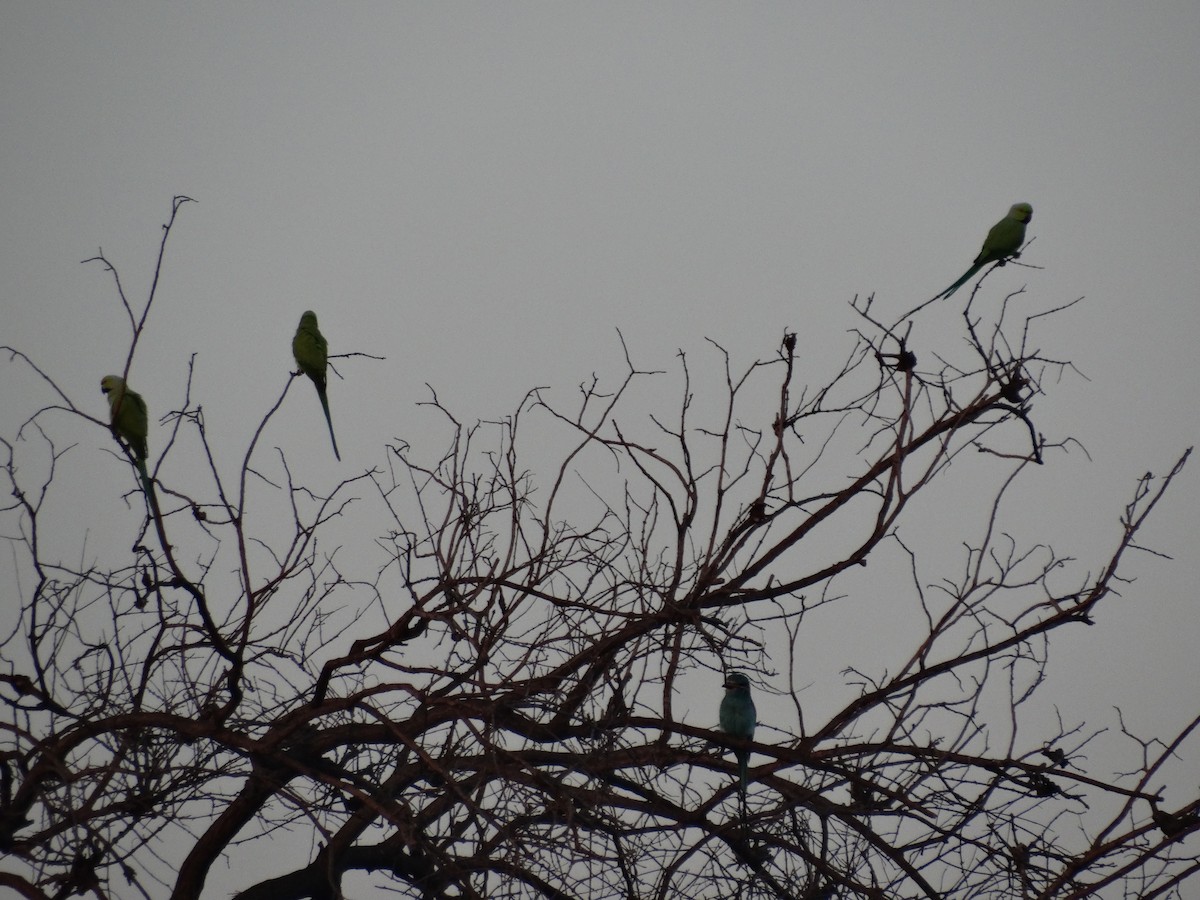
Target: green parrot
130	422
1002	243
312	353
738	718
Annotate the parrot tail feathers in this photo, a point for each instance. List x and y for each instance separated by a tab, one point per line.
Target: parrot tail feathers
967	276
147	486
329	422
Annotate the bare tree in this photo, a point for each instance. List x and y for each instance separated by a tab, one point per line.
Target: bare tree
493	708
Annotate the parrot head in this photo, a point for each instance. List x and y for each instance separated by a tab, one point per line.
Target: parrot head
1022	212
110	383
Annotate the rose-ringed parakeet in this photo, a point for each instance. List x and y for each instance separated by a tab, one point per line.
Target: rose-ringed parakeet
1003	242
738	718
130	422
312	356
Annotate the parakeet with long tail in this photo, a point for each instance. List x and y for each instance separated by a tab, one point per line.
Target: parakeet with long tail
311	351
130	421
1003	242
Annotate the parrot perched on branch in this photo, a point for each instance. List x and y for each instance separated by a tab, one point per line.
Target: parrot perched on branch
312	356
738	718
130	422
1003	242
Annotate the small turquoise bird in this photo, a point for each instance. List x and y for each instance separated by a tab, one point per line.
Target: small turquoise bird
1003	242
738	718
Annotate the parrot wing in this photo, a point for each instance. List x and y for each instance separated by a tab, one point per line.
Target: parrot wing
1004	240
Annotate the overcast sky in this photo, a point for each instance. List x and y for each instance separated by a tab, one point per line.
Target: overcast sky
484	193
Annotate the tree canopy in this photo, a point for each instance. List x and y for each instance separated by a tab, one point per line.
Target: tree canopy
494	671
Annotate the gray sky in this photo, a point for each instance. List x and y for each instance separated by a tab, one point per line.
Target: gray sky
483	193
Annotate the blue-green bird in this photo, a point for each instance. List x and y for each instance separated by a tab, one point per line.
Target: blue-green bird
130	421
1003	242
738	718
311	351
